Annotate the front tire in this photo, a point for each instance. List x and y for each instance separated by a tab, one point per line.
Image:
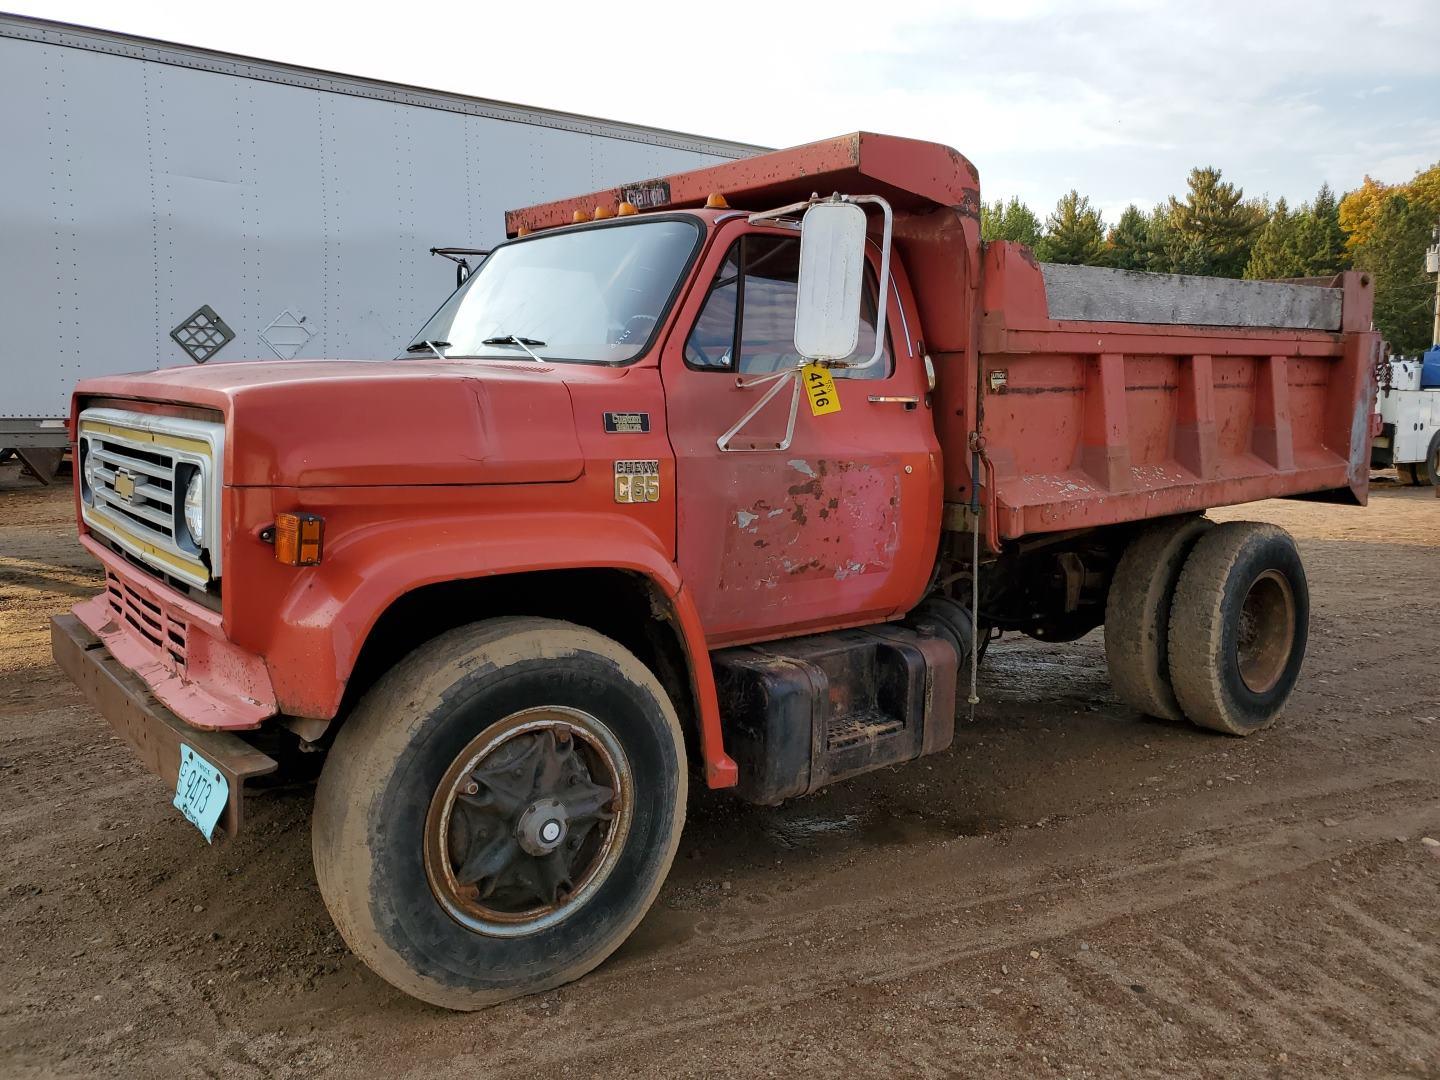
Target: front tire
500	811
1238	627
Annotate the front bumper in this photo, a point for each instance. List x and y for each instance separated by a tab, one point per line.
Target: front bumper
179	649
148	726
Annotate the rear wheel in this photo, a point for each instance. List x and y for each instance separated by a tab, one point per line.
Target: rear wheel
1238	627
1428	471
1137	614
500	812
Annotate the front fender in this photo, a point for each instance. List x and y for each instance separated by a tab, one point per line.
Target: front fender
327	615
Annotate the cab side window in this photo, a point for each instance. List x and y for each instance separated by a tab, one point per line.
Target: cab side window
747	324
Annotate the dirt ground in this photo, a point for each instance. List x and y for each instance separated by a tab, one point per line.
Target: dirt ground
1071	890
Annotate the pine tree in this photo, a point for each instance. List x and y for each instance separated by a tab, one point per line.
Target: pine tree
1021	225
1214	228
1321	240
1074	233
991	217
1276	253
1009	221
1160	239
1128	243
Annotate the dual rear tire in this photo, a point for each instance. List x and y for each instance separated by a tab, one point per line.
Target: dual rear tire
1208	623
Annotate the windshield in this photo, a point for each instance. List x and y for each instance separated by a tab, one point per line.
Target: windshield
590	295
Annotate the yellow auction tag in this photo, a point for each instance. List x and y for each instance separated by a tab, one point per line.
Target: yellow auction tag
820	389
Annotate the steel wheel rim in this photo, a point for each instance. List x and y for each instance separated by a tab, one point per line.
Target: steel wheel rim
486	816
1266	635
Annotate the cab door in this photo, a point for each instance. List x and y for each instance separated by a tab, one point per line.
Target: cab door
841	526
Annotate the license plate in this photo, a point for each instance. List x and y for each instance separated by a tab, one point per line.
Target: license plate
201	791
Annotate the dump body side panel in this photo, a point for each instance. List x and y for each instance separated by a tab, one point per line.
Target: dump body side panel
1094	423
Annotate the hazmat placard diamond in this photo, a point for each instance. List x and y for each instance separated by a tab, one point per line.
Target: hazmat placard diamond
286	335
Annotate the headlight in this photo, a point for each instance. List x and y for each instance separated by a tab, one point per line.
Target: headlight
91	471
195	509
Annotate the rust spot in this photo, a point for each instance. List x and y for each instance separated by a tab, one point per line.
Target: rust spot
810	488
799	516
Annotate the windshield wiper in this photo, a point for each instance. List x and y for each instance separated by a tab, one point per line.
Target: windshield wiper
433	346
522	342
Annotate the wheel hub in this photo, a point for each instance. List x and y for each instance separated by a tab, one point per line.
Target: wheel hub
1267	630
542	827
527	821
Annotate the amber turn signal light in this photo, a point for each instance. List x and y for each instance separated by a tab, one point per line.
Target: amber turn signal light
298	539
716	201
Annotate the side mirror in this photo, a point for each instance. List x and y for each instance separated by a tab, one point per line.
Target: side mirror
832	274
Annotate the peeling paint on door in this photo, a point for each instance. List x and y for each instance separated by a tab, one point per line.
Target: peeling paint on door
821	523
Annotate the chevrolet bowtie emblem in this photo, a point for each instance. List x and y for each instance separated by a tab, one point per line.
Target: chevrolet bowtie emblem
124	485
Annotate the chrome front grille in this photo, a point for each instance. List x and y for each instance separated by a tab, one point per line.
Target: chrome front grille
134	470
137	485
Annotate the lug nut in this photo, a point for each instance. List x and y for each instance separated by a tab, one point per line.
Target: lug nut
472	788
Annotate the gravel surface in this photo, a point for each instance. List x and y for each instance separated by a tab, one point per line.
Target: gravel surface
1071	890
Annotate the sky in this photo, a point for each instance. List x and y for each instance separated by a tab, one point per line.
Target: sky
1117	98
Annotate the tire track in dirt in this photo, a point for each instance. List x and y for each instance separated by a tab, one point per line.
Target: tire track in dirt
918	942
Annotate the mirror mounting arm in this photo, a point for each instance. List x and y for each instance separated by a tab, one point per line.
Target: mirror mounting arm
883	295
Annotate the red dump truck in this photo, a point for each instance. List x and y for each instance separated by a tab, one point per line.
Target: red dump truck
735	472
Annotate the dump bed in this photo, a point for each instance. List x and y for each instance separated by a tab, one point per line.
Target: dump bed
1110	396
1084	396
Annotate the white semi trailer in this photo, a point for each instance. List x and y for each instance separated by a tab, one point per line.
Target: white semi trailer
167	205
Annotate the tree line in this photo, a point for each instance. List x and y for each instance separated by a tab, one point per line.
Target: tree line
1215	230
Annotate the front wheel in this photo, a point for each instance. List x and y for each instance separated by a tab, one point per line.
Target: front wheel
500	812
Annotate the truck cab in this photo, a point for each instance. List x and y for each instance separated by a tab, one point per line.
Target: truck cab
734	473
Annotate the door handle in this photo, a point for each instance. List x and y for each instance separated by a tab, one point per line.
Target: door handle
881	399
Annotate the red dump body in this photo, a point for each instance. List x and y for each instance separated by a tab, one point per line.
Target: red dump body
1081	423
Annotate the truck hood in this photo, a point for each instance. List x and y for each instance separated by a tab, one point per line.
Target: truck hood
329	423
